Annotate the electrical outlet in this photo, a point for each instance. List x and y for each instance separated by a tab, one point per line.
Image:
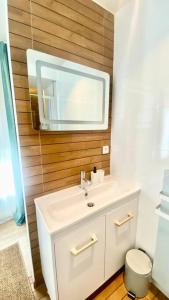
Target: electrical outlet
105	149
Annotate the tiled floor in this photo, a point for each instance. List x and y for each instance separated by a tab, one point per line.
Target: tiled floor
10	234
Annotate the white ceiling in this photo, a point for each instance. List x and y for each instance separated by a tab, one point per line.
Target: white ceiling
112	5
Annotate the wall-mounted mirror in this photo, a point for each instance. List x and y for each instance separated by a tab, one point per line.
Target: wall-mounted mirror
66	95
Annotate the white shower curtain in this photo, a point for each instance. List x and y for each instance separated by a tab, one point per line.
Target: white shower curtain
7	189
11	192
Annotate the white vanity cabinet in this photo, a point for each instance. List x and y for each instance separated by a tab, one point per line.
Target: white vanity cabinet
120	236
81	246
79	253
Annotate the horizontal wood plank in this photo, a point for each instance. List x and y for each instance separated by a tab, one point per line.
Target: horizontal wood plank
18	55
32	171
70	155
67	35
97	8
52	40
31	161
22	106
25	126
20	81
87	12
31	140
33	181
73	138
34	190
39	46
24	118
21	43
46	13
20	4
19	68
21	94
55	148
55	185
73	171
16	14
20	29
77	17
54	167
30	151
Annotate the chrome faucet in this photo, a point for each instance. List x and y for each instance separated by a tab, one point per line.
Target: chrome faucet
84	182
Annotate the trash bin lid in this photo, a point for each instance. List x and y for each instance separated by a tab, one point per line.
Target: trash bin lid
138	261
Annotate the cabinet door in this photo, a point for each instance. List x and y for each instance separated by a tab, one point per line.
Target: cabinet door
79	253
120	236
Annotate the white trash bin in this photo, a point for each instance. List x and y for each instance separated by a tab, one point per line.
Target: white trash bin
137	276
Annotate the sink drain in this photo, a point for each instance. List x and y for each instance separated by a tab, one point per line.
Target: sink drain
90	204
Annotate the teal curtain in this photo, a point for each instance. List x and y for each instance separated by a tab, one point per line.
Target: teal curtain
11	193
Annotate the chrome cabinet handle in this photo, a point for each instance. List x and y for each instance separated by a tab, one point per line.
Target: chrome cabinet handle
120	223
75	251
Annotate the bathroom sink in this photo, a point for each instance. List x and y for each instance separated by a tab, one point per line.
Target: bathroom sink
68	206
77	204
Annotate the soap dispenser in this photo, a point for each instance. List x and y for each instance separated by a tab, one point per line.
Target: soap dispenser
94	176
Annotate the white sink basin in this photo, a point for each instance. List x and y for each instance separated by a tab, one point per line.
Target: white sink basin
65	207
75	205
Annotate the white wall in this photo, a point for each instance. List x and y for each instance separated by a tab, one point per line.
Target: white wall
140	126
112	5
3	21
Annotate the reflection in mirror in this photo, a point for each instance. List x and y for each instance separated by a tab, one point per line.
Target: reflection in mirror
65	95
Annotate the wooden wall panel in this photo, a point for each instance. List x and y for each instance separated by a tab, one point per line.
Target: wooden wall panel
77	30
